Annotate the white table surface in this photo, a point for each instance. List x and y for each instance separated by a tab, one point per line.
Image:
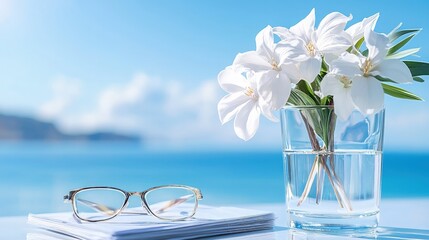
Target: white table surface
400	219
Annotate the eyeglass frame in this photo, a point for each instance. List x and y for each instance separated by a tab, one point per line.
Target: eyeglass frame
71	198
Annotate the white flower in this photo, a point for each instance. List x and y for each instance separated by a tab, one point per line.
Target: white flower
272	72
356	30
307	46
352	78
338	83
243	102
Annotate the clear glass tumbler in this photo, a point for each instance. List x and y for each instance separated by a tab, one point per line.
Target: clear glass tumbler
332	168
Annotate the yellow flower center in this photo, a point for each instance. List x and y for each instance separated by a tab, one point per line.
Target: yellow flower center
311	49
275	65
367	67
250	93
346	81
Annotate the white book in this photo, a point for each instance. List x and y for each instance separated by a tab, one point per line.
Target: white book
208	221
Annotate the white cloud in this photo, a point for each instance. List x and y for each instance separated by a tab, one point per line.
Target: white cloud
163	112
65	90
117	108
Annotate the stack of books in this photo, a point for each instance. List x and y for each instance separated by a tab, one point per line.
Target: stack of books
208	221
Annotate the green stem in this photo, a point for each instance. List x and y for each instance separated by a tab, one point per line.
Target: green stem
320	163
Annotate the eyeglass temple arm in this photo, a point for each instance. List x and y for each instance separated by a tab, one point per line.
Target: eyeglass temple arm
97	206
174	202
104	208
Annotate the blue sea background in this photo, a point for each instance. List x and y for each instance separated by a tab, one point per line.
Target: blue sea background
34	177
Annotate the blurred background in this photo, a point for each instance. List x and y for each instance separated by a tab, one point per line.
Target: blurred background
124	93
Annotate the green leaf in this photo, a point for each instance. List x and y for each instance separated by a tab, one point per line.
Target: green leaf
403	54
399	45
325	66
306	88
418	79
399	92
397	34
359	43
299	98
380	78
315	85
318	119
326	100
418	68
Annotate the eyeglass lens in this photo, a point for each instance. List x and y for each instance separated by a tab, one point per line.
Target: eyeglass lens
173	203
98	204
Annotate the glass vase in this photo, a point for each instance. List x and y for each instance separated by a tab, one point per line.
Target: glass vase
332	168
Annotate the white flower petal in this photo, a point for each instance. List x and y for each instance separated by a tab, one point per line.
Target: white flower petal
273	88
293	49
253	61
333	43
229	105
247	120
249	75
330	85
395	70
376	44
283	33
310	68
240	69
265	42
305	27
231	80
347	64
291	71
329	58
333	23
354	33
267	111
356	30
367	94
343	104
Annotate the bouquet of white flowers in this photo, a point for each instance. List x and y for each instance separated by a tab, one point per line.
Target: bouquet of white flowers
323	66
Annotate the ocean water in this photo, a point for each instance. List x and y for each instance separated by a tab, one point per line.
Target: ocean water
34	177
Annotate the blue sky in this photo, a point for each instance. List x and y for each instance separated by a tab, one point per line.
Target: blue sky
150	67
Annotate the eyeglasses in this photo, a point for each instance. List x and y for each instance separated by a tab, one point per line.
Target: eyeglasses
169	202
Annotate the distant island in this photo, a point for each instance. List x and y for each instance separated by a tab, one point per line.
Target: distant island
17	128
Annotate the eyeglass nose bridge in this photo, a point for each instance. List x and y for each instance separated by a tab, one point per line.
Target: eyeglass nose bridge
140	195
